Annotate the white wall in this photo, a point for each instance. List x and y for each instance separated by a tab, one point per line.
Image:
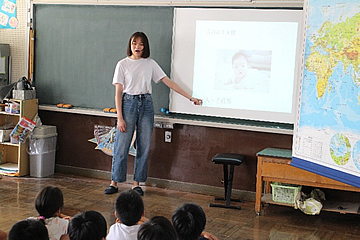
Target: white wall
17	38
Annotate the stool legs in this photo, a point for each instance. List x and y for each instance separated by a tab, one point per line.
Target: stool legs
228	180
228	192
226	177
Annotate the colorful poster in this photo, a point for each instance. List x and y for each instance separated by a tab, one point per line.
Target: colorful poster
327	131
8	14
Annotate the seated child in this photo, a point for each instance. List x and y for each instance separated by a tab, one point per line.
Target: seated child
189	222
157	228
88	225
129	210
29	229
49	203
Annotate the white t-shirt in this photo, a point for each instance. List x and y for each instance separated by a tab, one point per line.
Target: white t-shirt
136	75
121	231
56	227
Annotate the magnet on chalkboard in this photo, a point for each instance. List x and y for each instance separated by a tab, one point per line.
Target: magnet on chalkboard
165	110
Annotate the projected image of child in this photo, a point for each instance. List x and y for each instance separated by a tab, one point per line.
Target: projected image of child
250	71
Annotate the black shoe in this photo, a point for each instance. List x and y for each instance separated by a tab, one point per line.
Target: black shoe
111	190
138	190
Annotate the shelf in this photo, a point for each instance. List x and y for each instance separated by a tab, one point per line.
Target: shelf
10	114
346	207
15	154
9	144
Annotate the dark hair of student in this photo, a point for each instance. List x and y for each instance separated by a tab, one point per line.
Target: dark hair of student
29	229
88	225
157	228
144	40
129	207
189	221
48	201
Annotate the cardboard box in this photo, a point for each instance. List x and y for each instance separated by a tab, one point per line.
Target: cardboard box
24	94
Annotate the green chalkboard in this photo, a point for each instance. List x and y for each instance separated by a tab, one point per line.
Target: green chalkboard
78	46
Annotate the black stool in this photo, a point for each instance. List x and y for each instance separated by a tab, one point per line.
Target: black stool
232	159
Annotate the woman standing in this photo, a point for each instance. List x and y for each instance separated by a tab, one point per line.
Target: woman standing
133	101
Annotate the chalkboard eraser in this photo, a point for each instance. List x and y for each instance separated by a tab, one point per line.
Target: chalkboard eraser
110	110
64	105
67	106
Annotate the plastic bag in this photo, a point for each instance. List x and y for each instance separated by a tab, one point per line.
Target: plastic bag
310	204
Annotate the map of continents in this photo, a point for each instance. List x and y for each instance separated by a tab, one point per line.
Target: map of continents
329	123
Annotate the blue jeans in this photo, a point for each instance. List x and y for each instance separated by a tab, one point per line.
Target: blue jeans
138	113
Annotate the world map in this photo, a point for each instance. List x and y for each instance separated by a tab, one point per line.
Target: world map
328	128
356	155
340	149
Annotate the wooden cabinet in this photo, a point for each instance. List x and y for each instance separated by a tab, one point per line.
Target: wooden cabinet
273	165
16	153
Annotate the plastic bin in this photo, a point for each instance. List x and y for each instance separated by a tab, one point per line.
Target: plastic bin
285	193
42	149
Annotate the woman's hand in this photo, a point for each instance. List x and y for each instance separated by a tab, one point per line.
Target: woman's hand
121	125
196	101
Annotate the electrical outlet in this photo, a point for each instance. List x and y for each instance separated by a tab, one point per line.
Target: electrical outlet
167	136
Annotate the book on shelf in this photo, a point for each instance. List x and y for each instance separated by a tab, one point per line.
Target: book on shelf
22	129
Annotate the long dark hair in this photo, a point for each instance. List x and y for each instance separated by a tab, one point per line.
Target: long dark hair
48	201
145	41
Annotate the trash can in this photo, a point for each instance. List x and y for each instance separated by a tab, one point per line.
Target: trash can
42	149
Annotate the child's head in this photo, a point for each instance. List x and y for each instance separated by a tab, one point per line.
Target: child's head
189	221
157	228
129	207
88	225
49	201
28	229
240	65
139	36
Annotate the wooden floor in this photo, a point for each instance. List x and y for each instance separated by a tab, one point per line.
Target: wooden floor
276	222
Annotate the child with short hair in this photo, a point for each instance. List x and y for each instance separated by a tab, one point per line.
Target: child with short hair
189	222
49	203
157	228
88	225
28	229
129	210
